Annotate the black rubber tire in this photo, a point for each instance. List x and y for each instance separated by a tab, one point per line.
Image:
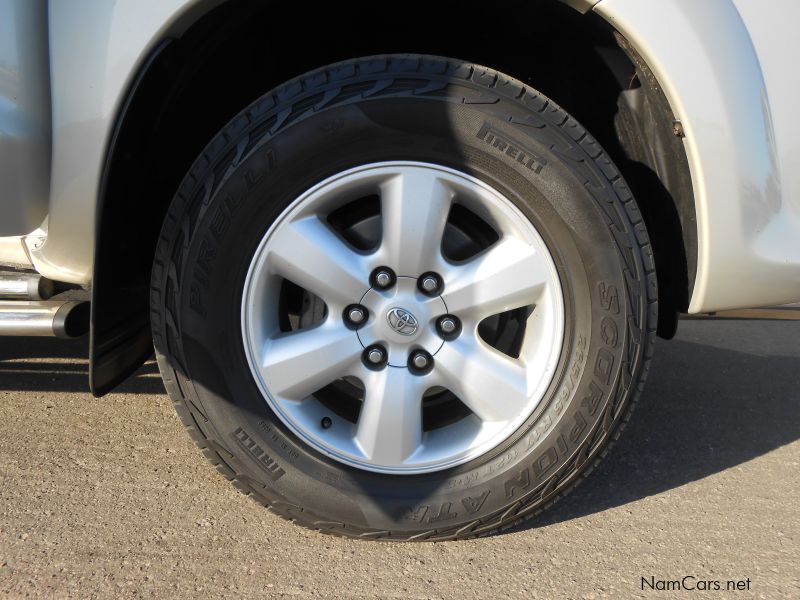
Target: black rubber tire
427	109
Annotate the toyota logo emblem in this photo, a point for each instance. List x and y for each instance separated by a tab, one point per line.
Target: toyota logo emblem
402	321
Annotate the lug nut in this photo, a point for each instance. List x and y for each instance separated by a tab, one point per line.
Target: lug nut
420	362
449	327
382	278
430	284
355	316
374	356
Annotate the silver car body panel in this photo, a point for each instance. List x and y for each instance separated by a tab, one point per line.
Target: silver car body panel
727	67
96	49
24	116
748	215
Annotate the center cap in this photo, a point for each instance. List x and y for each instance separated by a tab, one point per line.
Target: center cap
402	321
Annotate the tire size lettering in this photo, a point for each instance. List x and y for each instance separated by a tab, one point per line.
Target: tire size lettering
572	432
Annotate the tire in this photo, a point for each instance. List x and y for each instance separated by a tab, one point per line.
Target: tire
467	121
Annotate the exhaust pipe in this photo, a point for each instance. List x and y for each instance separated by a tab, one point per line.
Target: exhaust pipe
61	319
16	285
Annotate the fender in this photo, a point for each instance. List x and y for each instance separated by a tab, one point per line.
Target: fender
748	225
85	117
89	90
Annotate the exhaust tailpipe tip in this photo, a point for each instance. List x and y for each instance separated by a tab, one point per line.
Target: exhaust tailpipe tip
53	318
71	320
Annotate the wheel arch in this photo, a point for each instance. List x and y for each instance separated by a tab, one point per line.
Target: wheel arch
162	127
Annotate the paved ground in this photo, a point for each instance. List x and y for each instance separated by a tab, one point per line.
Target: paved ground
108	498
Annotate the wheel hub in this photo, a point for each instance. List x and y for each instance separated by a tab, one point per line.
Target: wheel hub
401	320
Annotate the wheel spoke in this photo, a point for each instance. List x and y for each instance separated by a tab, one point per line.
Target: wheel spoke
312	256
414	207
492	385
508	275
297	364
389	427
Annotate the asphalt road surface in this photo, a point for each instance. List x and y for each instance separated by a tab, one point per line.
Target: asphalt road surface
108	497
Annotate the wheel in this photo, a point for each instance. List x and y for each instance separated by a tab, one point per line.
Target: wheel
404	297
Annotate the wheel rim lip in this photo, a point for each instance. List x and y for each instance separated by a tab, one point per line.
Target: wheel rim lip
317	442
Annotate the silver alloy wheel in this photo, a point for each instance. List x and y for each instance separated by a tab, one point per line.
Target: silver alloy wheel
388	435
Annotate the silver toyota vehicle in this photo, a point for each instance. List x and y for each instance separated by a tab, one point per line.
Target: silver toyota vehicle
402	264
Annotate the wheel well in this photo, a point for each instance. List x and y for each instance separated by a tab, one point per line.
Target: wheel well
193	84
